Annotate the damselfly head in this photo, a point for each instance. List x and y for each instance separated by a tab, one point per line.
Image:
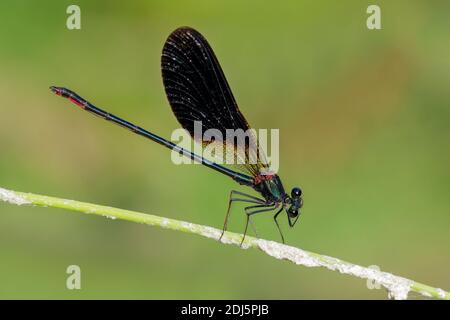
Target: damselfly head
295	202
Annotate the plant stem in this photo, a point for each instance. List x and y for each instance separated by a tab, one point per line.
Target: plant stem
397	287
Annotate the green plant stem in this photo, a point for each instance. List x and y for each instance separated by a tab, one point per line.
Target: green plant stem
397	287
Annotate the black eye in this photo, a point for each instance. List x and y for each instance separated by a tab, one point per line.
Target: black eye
296	192
293	213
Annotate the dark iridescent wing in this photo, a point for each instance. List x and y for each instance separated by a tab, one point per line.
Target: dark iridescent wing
198	91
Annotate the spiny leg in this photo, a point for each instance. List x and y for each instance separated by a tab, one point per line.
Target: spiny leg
278	226
246	195
250	213
267	207
251	221
251	199
253	228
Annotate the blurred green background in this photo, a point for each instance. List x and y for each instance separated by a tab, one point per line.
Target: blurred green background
364	120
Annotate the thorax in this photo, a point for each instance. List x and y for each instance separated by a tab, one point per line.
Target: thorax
270	187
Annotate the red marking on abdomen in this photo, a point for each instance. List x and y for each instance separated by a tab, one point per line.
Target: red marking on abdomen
78	103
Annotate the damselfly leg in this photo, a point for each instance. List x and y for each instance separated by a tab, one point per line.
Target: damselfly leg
278	226
243	198
267	207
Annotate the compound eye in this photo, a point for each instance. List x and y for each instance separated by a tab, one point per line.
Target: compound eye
296	192
293	213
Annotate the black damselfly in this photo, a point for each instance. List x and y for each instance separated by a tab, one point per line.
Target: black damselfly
198	92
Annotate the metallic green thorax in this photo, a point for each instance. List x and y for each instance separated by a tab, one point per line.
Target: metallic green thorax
271	189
